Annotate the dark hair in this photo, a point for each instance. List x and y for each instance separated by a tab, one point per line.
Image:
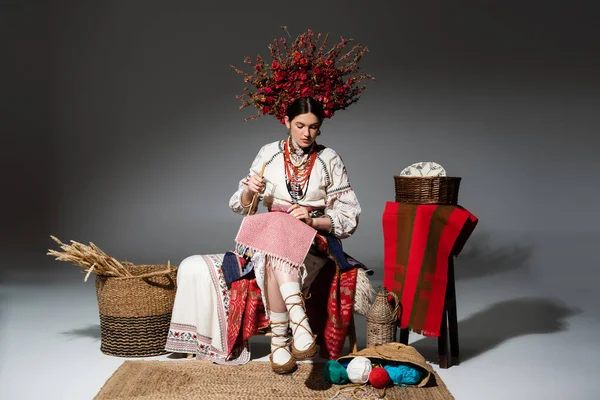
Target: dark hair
304	105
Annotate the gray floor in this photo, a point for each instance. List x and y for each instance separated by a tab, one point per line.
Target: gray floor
520	339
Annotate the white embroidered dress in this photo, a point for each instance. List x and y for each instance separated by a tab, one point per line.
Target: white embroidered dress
199	319
328	190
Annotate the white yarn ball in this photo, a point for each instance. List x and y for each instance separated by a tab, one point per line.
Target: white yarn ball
359	369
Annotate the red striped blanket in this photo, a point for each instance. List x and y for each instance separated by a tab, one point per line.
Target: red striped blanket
418	241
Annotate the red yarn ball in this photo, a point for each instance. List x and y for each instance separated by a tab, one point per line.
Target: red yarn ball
379	378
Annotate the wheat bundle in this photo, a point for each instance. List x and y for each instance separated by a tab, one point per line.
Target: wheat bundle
91	258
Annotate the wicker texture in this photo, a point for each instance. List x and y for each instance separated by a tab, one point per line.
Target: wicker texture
427	189
134	336
135	312
396	352
190	379
382	318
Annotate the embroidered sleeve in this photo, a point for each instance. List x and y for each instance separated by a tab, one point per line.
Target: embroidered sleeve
235	202
342	206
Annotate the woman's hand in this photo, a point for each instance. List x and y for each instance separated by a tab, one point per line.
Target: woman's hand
256	184
301	213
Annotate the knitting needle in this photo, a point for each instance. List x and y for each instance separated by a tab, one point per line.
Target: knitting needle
262	171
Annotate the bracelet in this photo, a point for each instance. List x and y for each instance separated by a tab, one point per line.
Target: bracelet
242	203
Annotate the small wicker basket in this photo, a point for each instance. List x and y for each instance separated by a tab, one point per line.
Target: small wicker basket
135	312
427	189
382	319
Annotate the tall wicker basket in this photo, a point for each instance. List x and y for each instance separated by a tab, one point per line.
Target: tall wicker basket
427	189
135	312
382	319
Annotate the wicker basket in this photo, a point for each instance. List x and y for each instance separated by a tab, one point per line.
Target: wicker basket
135	312
427	189
382	319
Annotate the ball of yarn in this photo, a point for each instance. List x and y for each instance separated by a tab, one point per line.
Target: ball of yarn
403	374
359	369
379	378
335	373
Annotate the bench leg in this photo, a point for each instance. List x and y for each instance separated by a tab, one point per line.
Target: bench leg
352	335
404	335
452	314
443	342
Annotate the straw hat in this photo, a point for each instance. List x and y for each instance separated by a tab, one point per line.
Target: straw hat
394	352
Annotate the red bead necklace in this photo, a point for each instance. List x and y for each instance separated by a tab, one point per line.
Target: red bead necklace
297	176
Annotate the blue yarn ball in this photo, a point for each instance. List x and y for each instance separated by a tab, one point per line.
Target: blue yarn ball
403	374
335	373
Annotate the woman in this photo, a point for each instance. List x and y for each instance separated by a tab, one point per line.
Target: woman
306	180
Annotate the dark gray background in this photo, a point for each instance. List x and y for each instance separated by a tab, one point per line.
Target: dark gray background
120	125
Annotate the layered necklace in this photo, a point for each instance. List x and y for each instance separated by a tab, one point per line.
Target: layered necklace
298	166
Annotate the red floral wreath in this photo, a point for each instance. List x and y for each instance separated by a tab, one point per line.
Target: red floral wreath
304	69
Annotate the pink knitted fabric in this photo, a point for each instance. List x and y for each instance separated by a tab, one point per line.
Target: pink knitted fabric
283	237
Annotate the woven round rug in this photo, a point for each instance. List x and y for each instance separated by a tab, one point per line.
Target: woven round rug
192	379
